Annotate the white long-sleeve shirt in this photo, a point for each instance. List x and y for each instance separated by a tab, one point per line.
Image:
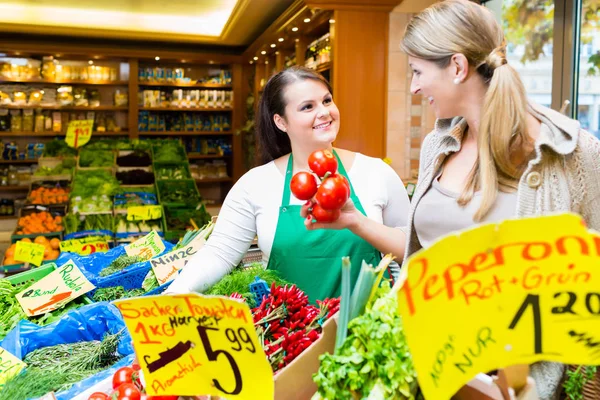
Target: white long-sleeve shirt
252	209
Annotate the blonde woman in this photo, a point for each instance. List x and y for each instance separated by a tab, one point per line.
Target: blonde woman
492	155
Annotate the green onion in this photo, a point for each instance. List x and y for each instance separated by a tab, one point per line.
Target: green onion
362	290
342	330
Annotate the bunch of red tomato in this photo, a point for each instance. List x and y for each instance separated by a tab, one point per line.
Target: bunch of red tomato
330	196
127	385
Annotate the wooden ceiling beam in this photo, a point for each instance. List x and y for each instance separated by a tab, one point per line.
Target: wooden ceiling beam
353	5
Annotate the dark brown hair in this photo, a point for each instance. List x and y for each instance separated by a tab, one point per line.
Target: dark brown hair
273	142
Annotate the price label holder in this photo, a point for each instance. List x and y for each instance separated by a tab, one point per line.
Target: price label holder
79	132
143	213
29	252
9	366
168	265
516	292
146	247
190	345
85	246
54	290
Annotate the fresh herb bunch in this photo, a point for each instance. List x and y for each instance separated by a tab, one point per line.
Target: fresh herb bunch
57	368
576	381
119	264
116	293
374	358
240	279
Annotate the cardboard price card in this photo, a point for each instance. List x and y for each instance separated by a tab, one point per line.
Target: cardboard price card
85	246
191	345
79	132
168	265
146	247
517	292
29	252
54	290
143	213
9	366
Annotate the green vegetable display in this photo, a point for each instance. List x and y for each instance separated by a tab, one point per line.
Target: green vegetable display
576	381
115	293
178	219
122	225
94	183
178	192
57	368
118	264
58	148
74	222
240	279
374	360
64	168
169	151
90	158
172	172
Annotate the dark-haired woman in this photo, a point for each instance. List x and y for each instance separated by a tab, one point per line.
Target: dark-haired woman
297	116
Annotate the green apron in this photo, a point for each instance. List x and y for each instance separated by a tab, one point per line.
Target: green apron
313	259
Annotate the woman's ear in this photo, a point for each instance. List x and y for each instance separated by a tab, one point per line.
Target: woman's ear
459	67
280	122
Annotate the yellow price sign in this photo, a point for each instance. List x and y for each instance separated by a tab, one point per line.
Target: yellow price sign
84	246
9	366
54	290
192	345
516	292
146	247
143	213
29	252
79	132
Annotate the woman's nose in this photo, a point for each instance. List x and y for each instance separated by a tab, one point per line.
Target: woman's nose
414	88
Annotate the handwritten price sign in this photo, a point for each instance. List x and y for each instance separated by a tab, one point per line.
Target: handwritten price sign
84	246
168	265
192	345
29	252
146	247
79	132
143	213
9	366
54	290
514	293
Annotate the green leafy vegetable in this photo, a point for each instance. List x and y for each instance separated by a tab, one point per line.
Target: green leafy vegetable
96	158
94	183
58	148
576	381
115	293
119	263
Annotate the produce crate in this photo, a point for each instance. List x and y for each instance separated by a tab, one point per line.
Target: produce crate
62	184
178	150
200	217
129	196
184	165
155	224
130	279
147	173
53	162
166	187
27	210
123	153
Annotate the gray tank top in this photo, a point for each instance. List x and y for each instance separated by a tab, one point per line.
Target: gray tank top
438	213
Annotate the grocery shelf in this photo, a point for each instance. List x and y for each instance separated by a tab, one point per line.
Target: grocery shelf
65	82
214	180
8	217
27	161
53	134
15	188
185	133
211	109
198	156
65	108
187	85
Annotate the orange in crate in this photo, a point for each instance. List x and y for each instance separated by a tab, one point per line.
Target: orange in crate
48	196
40	222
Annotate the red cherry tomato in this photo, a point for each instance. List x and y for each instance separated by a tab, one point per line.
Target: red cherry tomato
322	215
333	192
98	396
321	162
128	391
304	185
124	375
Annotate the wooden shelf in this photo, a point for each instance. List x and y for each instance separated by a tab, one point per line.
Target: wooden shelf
187	85
213	180
53	134
8	217
27	161
212	109
185	133
198	156
17	188
70	82
324	67
65	108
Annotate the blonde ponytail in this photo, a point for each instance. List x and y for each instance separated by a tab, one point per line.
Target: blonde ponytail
460	26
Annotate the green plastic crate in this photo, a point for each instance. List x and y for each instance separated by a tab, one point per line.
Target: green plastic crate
165	186
175	234
162	164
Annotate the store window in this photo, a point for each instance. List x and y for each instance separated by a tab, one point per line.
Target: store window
588	55
528	26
